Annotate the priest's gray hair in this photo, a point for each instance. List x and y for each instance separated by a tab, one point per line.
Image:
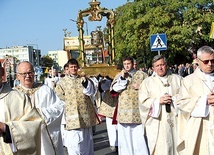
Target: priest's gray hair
204	49
158	57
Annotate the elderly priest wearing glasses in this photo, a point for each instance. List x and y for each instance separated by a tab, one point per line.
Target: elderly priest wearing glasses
19	122
48	105
196	104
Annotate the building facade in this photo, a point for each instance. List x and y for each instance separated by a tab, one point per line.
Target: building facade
22	53
59	57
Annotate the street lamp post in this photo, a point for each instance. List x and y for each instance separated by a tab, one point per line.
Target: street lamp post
85	24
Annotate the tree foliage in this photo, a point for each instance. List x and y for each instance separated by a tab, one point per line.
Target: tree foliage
186	23
47	61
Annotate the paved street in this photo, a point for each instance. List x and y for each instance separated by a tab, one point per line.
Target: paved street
101	143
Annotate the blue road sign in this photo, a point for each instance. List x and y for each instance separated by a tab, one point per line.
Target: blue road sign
158	42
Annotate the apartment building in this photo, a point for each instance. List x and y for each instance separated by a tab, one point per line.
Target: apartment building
10	56
22	53
59	56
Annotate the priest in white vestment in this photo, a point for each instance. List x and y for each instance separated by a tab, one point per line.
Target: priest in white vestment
20	123
157	108
196	104
49	106
52	79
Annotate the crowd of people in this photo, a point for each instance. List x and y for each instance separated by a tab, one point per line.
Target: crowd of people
181	69
164	110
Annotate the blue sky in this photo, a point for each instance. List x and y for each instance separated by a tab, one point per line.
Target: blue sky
40	23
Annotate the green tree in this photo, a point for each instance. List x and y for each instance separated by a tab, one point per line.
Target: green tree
186	24
47	61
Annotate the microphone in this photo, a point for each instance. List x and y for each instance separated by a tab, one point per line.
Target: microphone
167	106
168	109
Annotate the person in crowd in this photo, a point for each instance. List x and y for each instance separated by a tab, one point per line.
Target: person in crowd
52	78
96	97
194	64
158	109
80	114
48	105
150	71
188	69
135	64
107	109
20	123
66	71
16	82
181	70
175	69
196	105
130	131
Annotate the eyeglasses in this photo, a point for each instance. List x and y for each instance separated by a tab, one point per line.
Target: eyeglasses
207	61
27	73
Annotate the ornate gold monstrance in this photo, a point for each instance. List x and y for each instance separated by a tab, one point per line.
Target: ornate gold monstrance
96	13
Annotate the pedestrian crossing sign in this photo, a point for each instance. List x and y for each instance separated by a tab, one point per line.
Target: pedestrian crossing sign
158	42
